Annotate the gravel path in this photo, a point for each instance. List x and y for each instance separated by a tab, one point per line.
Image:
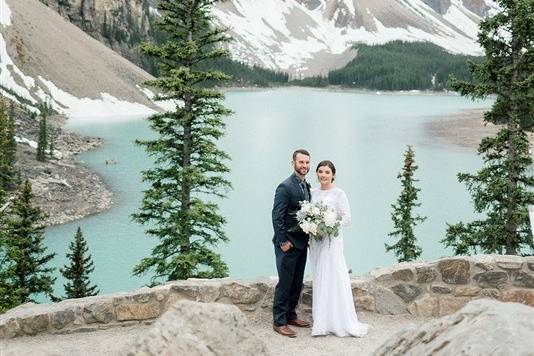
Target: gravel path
381	327
114	341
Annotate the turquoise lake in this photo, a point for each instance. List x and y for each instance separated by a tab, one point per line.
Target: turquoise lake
364	134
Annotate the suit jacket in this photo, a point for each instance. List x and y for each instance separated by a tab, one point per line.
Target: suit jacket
286	204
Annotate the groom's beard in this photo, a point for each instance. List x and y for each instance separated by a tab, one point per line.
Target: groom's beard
302	171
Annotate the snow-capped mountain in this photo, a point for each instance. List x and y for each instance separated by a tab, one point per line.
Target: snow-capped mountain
307	37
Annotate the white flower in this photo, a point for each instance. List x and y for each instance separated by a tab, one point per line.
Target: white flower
301	215
312	228
330	218
315	210
305	226
306	207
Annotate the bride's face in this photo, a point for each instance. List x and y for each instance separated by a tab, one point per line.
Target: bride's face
324	175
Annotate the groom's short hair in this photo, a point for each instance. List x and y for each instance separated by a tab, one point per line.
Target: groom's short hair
301	151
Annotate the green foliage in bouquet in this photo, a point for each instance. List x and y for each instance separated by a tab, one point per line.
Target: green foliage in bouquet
318	220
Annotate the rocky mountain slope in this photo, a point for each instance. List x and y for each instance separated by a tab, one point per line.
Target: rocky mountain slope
119	24
45	58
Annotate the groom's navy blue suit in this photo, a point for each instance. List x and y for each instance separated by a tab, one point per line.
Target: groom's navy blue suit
290	264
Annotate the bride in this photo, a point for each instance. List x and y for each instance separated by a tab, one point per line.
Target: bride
333	309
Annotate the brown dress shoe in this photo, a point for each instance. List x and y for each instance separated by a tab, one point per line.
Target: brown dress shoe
299	323
284	330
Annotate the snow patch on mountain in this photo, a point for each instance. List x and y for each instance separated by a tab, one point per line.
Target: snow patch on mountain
5	14
80	108
15	84
296	35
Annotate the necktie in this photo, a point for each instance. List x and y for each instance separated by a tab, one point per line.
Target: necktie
305	190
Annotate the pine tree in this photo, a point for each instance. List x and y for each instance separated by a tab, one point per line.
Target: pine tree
25	255
42	141
504	187
8	149
77	273
489	188
51	146
404	221
189	166
6	301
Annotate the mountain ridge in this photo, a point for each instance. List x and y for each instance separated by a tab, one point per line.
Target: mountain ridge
311	37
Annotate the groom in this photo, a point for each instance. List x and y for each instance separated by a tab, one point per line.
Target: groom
290	245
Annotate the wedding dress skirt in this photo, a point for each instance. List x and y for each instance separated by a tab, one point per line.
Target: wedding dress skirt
333	310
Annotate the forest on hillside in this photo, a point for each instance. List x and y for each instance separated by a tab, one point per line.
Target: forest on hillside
397	65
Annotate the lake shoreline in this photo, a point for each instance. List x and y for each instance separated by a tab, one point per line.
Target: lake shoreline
340	89
62	186
464	129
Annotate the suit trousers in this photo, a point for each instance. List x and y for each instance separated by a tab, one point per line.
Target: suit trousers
290	266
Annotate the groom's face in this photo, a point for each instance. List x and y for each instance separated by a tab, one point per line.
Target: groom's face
301	164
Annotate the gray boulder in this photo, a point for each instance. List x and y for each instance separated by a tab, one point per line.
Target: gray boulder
482	327
193	328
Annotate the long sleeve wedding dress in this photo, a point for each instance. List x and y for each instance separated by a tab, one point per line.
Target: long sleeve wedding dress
333	308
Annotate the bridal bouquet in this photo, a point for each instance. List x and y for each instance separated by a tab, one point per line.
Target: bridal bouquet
318	220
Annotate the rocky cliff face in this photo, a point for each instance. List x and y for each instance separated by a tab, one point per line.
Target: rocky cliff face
120	24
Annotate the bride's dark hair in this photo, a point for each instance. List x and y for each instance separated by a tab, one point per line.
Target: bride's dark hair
329	164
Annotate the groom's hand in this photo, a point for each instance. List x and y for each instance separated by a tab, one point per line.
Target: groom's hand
286	246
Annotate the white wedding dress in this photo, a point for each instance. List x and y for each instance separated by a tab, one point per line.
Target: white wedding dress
333	310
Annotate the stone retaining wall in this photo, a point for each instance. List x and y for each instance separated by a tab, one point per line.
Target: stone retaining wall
444	286
421	288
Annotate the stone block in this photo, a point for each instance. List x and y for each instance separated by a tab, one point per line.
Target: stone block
140	311
523	280
492	293
387	302
206	293
467	291
449	305
530	262
491	279
441	289
239	293
407	292
63	318
10	329
99	312
454	271
267	301
484	262
34	324
523	296
382	274
365	302
306	297
425	274
426	306
404	274
509	261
